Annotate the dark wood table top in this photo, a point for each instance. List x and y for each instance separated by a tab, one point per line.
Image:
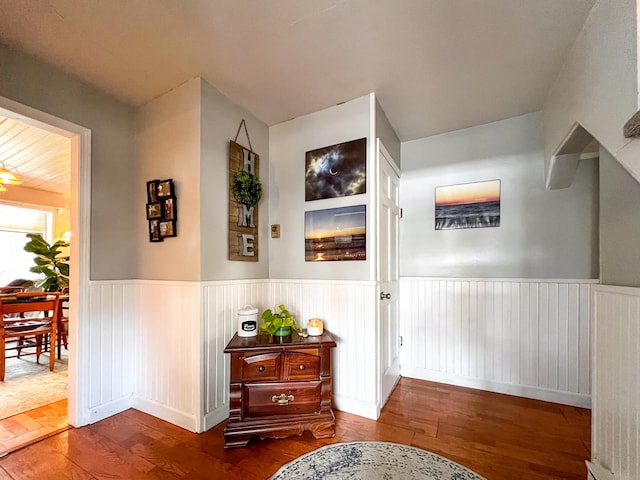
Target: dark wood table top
266	341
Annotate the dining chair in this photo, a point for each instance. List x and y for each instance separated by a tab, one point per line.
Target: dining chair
63	321
20	329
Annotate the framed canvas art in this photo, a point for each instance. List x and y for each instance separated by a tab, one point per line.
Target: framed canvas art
468	205
336	171
336	234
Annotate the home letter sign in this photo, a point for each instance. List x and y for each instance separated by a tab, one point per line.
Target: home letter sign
243	220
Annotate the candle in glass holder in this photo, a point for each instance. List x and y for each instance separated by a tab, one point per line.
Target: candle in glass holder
315	327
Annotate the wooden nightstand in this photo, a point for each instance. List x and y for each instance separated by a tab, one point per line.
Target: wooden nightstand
279	387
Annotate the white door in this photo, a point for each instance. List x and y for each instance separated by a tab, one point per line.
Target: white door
389	213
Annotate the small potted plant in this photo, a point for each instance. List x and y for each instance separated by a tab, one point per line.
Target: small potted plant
278	322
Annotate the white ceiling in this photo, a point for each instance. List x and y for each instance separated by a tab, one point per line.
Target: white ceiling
436	65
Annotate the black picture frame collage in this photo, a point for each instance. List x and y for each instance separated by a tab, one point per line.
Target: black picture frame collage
162	210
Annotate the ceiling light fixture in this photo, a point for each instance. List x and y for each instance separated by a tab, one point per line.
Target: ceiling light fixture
9	175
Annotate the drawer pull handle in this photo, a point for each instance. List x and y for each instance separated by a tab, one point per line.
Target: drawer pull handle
282	399
261	368
302	367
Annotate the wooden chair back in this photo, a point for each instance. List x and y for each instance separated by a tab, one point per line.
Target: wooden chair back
20	326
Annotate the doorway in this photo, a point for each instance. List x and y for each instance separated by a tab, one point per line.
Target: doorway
80	215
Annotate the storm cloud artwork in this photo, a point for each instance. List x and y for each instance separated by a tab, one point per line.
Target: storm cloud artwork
336	171
469	205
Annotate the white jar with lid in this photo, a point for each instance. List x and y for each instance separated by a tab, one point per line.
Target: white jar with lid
248	321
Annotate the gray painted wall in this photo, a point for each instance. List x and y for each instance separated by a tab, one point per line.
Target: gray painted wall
543	234
387	134
38	85
168	146
619	224
220	119
289	142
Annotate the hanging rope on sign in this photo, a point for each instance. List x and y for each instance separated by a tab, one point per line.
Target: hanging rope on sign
245	131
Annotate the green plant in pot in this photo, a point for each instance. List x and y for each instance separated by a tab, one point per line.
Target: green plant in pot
278	322
50	261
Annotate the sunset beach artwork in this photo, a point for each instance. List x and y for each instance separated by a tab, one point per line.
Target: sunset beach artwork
469	205
336	234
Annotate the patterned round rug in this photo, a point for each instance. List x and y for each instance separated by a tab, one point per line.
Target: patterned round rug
372	461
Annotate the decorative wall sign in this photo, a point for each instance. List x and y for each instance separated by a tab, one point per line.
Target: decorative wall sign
469	205
243	218
162	209
336	171
336	234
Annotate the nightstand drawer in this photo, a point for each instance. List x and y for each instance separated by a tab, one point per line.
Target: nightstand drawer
261	368
281	399
301	366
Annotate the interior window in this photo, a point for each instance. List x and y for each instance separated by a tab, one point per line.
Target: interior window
15	223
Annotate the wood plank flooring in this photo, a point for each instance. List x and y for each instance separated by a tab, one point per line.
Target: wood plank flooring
33	425
499	436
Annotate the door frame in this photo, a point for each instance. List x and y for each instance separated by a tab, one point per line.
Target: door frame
79	276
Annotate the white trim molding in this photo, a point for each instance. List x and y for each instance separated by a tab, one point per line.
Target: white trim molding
80	137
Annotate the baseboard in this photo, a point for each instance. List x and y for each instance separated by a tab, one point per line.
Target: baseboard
598	472
108	409
362	409
214	418
536	393
168	414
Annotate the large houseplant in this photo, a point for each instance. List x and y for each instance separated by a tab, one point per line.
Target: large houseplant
278	322
50	261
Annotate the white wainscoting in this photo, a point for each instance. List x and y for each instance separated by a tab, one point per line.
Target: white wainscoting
161	343
167	352
348	309
110	331
615	436
221	301
521	337
158	345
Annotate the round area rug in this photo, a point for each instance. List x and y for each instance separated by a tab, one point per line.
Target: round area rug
372	461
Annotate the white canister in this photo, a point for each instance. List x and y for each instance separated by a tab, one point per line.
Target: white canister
248	321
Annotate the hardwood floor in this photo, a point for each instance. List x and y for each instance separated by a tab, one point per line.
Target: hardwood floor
31	426
498	436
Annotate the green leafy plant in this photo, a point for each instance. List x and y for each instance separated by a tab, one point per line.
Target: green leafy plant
246	188
50	261
278	318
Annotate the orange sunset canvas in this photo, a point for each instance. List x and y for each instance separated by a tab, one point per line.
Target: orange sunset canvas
336	234
469	205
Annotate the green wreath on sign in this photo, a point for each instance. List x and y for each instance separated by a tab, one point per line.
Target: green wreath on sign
246	188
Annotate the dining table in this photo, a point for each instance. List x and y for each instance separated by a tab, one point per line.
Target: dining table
62	320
